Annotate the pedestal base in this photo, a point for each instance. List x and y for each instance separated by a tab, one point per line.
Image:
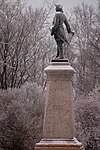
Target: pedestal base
59	144
60	60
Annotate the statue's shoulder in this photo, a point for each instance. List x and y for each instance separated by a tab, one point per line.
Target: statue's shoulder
59	14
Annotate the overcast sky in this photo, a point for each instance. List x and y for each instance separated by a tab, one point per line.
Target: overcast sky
67	4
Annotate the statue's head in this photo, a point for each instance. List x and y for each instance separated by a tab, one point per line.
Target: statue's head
59	8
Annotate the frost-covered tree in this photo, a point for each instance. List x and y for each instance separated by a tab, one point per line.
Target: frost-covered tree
25	45
86	24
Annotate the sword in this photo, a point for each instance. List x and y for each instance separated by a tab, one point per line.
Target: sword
65	41
72	34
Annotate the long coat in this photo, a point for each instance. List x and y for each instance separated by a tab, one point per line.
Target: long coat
58	29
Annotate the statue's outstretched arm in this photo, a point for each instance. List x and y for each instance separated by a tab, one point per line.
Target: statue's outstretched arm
67	25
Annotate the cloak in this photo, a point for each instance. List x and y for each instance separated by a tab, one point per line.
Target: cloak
58	28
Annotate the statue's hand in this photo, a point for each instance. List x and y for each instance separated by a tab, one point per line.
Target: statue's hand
52	31
72	33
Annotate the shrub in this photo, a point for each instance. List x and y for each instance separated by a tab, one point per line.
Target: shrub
21	117
87	111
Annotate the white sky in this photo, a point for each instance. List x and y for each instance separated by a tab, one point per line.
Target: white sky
67	4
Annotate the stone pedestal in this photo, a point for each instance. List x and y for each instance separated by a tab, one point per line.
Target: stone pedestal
58	128
59	144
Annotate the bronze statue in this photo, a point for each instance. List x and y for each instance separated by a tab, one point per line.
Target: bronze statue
58	30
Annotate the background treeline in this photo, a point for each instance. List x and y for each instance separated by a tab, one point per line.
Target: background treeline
26	48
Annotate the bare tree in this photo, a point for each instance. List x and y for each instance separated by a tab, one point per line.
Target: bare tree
23	42
87	44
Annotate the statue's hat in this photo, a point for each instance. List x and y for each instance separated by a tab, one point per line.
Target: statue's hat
59	8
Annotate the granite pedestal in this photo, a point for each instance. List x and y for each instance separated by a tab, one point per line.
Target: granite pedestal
58	127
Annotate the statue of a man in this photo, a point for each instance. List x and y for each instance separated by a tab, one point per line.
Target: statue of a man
58	30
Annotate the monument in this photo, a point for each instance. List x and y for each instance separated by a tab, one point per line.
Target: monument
58	127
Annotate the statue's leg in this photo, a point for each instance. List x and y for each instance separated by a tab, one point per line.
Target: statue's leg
57	52
61	55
